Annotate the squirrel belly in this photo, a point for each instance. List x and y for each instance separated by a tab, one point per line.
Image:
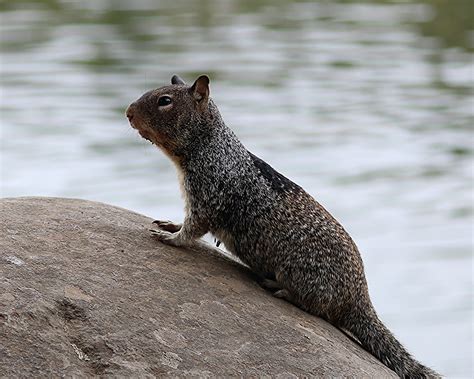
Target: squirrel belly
270	223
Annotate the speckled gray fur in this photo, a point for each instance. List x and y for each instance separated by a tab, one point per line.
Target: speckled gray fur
267	221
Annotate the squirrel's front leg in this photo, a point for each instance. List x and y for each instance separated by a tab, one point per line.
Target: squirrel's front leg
179	235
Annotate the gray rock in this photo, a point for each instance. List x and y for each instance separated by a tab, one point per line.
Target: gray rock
86	290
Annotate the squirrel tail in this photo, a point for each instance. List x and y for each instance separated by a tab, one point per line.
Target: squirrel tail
380	342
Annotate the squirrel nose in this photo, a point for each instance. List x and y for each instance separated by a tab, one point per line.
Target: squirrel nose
130	111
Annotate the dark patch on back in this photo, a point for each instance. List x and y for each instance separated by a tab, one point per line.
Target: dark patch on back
277	181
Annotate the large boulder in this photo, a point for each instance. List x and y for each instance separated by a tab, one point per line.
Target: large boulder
86	290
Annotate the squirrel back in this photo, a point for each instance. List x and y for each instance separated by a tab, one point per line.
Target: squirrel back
285	236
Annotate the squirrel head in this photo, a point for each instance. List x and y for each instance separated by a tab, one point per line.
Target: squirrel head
173	116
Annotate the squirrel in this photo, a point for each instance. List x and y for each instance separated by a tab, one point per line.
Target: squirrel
297	248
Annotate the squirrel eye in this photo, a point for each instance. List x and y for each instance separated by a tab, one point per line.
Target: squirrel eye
164	100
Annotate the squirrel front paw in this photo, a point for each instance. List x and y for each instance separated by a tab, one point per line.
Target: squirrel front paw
168	226
166	237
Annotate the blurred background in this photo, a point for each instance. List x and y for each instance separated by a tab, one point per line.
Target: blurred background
366	104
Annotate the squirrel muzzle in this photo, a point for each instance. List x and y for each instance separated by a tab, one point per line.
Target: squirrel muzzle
137	123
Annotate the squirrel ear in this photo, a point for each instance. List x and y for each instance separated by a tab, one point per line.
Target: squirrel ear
200	88
177	80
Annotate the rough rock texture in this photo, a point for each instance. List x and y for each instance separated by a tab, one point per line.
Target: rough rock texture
86	290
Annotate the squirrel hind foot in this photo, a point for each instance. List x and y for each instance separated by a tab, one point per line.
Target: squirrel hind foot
285	295
277	289
269	284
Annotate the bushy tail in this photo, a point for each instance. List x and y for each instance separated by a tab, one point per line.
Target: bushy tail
380	342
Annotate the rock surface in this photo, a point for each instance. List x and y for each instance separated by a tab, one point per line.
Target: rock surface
86	290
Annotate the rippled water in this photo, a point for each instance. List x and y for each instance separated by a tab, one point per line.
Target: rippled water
367	105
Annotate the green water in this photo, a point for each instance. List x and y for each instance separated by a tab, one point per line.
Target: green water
367	105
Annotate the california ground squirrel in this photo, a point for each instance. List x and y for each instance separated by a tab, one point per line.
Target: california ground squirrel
298	249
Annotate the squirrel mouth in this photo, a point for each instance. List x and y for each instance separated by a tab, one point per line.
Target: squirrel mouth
145	135
141	127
